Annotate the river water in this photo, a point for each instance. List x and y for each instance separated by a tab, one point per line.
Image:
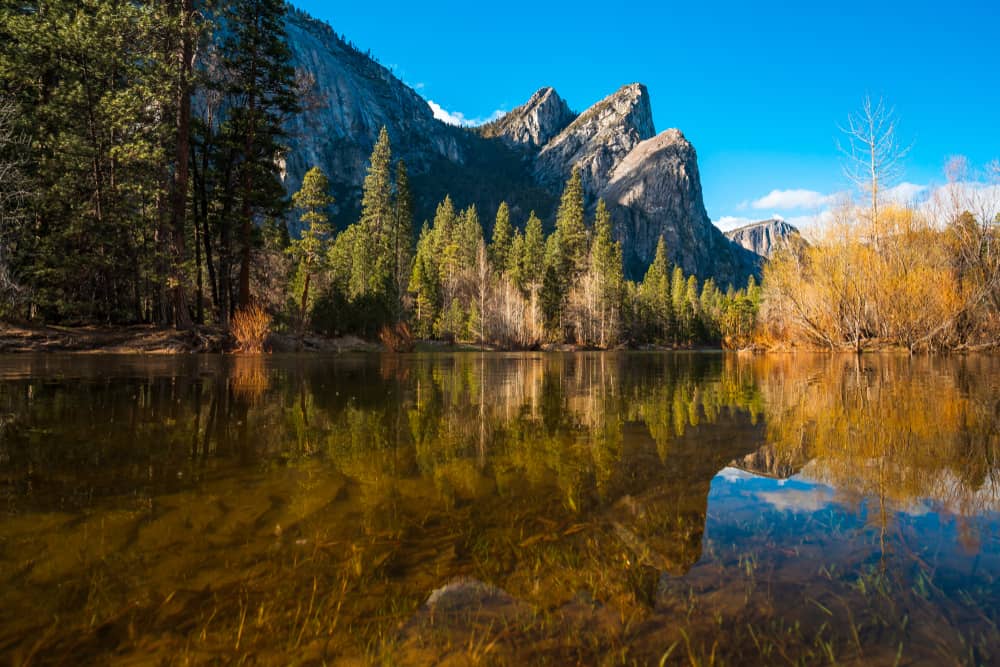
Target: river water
650	508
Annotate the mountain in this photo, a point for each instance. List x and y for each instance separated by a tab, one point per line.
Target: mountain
650	181
765	237
533	124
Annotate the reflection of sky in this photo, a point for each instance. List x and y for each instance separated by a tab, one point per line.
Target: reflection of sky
945	492
801	534
746	508
794	494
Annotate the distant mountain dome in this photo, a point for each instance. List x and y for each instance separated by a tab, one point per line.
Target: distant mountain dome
765	237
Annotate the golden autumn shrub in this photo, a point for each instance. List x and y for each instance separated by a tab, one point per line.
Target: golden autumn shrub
863	285
250	327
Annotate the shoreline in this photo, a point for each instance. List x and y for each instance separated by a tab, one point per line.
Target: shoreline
156	340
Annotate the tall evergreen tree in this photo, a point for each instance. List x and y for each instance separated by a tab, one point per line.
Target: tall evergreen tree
606	262
655	294
571	230
425	286
515	260
533	258
371	265
310	251
402	237
503	238
260	86
186	28
678	288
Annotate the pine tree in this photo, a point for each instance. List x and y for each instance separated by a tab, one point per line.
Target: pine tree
310	251
514	267
443	249
503	239
186	28
533	257
678	288
690	318
96	92
655	294
371	266
260	85
606	261
571	231
424	285
551	298
470	235
402	237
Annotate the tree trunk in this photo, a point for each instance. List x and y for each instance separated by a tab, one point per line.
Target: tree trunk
305	306
243	300
179	191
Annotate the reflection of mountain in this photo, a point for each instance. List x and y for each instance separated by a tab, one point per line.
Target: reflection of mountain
768	462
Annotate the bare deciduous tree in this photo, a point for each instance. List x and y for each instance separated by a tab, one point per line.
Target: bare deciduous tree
872	153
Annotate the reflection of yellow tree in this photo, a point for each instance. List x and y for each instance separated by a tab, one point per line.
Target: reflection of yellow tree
249	378
898	429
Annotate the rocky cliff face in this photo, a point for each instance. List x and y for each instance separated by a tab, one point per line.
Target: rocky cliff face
765	237
352	97
534	123
597	140
656	191
649	181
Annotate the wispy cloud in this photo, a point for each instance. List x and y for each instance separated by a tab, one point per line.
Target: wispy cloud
905	193
786	200
728	222
809	210
459	118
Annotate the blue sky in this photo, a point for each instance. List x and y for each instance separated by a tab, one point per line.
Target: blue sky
758	87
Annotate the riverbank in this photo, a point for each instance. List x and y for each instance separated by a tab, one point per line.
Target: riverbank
149	339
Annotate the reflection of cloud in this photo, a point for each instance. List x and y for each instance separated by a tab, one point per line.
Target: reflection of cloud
731	474
797	500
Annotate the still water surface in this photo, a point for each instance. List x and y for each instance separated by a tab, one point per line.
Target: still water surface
523	508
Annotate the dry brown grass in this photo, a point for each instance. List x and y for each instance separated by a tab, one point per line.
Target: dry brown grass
397	338
250	327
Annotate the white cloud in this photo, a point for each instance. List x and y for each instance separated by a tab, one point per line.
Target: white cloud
905	193
459	118
729	222
816	210
793	199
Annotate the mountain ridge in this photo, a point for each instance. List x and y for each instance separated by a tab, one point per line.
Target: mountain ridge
524	157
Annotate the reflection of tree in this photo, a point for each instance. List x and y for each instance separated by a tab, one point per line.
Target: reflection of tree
542	474
896	429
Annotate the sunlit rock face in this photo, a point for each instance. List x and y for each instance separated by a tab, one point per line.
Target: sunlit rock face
534	123
656	191
598	140
650	182
765	237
